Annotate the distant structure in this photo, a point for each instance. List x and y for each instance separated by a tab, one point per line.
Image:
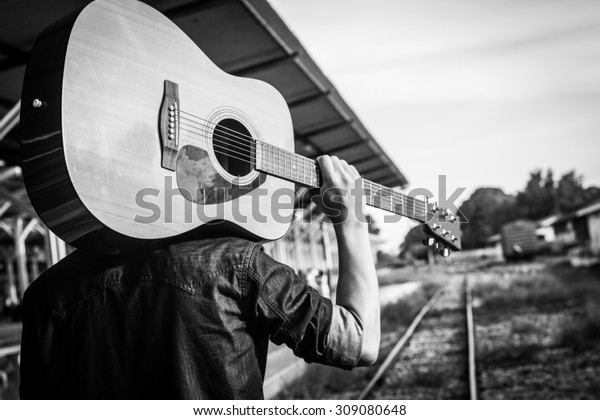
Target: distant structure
581	227
577	233
519	239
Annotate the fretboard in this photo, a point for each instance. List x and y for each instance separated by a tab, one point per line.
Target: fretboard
300	169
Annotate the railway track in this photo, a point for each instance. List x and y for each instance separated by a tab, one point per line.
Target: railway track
435	357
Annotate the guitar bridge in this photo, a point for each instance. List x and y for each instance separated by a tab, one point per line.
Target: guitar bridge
169	125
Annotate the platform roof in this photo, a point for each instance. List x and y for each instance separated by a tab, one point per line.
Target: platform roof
244	38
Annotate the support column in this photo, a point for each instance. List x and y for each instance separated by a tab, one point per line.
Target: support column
299	251
21	234
55	248
281	251
314	256
10	275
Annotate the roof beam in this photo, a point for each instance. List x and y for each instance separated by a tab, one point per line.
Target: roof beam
365	159
9	173
343	147
16	57
382	171
5	206
386	179
308	98
9	121
17	201
6	103
265	65
324	129
191	8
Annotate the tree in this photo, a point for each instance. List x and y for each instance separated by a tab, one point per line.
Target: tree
571	193
413	243
485	212
537	200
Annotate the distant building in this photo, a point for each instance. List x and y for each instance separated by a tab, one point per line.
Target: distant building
586	223
581	227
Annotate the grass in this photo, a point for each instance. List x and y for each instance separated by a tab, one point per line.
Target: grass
400	314
320	381
558	288
425	378
509	354
582	331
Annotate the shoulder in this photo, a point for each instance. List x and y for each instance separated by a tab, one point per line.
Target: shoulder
58	280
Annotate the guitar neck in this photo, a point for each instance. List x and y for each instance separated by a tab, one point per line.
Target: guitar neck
305	171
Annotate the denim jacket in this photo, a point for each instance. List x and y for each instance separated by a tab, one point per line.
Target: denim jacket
187	320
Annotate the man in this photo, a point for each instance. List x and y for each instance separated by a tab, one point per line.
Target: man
193	319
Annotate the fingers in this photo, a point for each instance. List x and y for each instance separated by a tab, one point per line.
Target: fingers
332	167
327	168
337	163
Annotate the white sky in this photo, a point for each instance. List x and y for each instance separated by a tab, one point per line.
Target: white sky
482	91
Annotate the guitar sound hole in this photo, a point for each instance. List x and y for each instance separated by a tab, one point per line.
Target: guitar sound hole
234	147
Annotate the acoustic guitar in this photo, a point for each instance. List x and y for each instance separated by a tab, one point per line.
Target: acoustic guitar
130	134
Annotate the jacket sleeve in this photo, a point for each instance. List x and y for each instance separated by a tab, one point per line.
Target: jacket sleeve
294	313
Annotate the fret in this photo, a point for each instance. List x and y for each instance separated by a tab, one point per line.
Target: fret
398	205
297	168
377	197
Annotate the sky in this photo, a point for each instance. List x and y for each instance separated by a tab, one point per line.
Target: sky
483	91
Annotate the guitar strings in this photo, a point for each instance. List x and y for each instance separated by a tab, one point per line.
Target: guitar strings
375	194
385	201
242	143
245	141
242	137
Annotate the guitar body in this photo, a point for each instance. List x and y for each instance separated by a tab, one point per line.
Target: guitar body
94	145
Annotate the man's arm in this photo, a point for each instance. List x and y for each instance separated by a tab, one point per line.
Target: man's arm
357	288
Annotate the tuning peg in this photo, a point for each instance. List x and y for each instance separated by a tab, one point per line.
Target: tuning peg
452	218
438	246
445	232
436	226
434	207
454	238
444	252
428	241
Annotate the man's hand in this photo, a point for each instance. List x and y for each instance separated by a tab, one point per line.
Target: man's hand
341	197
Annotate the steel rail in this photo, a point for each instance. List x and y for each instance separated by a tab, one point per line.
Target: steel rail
403	340
411	329
470	339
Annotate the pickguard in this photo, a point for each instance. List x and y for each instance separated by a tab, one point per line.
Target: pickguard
200	182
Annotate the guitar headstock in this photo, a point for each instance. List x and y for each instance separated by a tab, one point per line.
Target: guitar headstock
442	228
